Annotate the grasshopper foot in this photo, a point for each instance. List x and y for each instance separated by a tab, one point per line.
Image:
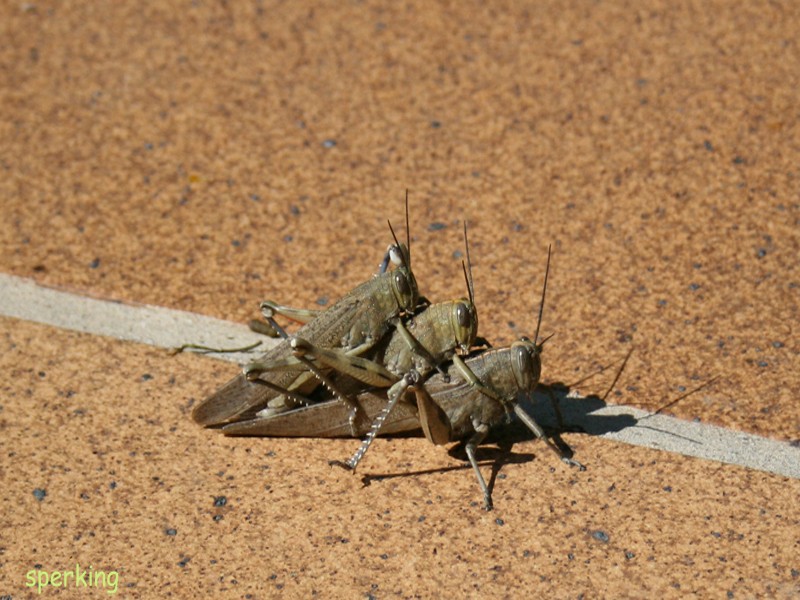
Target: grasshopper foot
487	503
572	463
344	464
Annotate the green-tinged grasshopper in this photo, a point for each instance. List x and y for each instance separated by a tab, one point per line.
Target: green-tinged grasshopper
448	407
355	323
413	349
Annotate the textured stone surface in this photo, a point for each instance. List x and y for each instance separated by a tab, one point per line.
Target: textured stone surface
205	156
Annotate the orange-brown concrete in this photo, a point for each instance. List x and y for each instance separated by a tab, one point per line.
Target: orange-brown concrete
205	156
133	486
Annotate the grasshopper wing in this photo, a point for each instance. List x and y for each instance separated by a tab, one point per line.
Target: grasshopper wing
240	398
328	419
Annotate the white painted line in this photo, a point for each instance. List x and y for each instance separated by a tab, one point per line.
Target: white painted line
167	328
689	438
153	325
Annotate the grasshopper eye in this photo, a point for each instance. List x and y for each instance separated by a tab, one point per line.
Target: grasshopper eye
405	289
465	325
462	315
527	366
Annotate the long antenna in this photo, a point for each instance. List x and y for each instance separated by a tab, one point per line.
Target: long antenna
544	291
468	269
408	233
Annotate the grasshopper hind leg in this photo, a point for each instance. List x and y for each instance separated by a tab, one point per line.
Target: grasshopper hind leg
394	394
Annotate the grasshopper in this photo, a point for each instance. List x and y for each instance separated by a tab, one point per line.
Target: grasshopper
354	323
460	405
410	353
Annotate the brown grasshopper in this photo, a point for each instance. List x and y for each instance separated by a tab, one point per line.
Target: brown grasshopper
355	323
409	354
461	404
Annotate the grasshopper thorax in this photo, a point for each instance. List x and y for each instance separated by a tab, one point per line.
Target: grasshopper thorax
526	363
464	321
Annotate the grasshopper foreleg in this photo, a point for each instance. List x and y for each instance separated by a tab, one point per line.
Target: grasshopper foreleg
301	315
481	430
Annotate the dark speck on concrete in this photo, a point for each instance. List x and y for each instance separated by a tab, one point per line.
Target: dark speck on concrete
255	197
39	494
94	264
708	146
777	344
694	286
322	300
220	500
294	209
436	226
184	561
500	521
146	377
171	531
217	518
329	143
762	252
436	124
600	536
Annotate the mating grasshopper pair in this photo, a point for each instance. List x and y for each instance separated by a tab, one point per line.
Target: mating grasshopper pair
376	338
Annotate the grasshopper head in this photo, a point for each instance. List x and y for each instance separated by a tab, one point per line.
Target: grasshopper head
404	285
464	321
527	363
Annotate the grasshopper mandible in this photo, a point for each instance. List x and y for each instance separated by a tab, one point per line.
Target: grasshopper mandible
355	323
450	407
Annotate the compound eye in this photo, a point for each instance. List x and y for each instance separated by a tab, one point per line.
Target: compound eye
402	284
523	368
404	291
463	315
